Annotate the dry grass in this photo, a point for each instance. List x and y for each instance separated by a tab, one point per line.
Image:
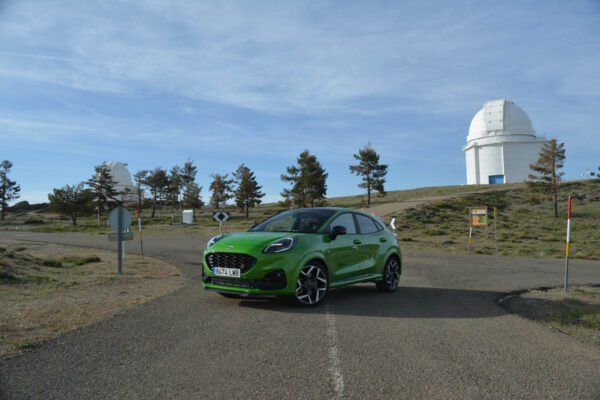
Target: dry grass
576	312
47	289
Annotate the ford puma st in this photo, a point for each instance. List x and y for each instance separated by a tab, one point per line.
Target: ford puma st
303	253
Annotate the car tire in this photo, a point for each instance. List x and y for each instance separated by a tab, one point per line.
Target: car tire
312	285
391	276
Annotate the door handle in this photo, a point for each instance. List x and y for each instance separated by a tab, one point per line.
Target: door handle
382	240
356	241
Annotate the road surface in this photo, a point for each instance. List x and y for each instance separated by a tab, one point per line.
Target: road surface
441	335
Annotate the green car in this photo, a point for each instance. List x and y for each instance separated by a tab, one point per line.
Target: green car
303	253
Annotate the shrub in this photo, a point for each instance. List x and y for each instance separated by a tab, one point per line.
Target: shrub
78	261
48	262
33	221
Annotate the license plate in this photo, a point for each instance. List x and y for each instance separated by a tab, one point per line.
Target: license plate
229	272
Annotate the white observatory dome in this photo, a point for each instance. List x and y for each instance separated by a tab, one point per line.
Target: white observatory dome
500	117
122	177
501	144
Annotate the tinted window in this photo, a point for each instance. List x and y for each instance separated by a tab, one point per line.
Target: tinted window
302	220
347	221
366	224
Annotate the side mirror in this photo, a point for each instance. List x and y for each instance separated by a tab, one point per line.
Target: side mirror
336	231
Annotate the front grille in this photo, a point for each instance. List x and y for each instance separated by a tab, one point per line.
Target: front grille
240	261
233	282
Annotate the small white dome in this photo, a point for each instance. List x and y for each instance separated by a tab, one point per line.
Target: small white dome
500	117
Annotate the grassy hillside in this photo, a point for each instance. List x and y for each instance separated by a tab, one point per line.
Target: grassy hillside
525	225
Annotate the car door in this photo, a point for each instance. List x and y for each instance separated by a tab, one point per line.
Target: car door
371	238
343	254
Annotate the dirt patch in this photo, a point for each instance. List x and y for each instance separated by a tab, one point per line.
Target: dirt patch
47	289
576	312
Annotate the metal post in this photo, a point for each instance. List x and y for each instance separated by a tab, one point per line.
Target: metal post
495	236
98	215
140	231
220	226
120	238
567	251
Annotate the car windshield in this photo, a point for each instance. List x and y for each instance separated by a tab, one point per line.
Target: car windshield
303	221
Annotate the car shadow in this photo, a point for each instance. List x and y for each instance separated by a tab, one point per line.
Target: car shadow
406	302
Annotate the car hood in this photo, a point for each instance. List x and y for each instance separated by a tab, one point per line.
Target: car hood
248	242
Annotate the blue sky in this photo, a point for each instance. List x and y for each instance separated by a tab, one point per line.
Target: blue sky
152	83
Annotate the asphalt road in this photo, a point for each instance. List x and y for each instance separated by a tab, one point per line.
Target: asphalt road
441	335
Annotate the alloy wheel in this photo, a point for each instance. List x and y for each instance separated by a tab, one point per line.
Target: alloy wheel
312	285
392	274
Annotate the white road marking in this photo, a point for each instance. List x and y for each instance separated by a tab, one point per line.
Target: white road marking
335	368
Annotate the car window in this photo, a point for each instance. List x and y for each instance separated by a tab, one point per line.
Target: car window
347	221
366	224
283	224
299	220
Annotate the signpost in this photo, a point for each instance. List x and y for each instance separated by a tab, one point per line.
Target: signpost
477	217
120	220
567	251
221	216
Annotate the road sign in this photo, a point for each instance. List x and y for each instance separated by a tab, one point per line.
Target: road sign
113	237
479	216
221	216
113	219
120	220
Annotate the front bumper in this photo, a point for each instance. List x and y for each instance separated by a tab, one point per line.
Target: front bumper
273	281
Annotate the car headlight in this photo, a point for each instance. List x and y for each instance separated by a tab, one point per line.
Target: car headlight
284	244
214	240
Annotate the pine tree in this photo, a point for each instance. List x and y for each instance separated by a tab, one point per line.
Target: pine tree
73	201
175	185
140	179
192	198
247	193
9	190
308	180
371	171
221	188
103	186
158	183
188	173
550	161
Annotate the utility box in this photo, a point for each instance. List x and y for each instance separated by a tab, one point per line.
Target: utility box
188	217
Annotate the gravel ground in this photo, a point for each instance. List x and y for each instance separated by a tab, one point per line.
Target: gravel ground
441	335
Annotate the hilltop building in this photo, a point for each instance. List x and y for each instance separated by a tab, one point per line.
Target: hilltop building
501	144
124	185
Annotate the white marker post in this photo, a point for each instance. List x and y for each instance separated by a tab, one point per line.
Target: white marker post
568	243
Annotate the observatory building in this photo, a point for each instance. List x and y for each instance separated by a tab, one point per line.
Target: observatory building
501	144
124	186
